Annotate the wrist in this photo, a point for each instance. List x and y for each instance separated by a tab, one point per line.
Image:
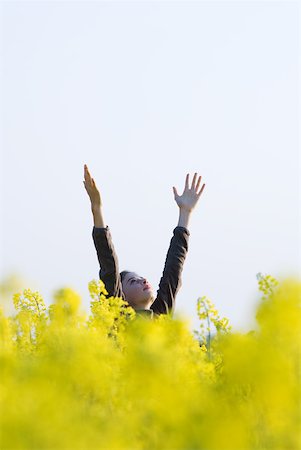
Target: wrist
96	208
97	216
184	216
185	210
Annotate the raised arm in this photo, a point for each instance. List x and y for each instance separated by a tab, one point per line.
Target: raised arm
107	258
170	281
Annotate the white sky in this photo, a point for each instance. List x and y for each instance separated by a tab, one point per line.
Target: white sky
144	92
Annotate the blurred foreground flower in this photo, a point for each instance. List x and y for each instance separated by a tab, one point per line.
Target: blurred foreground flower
112	381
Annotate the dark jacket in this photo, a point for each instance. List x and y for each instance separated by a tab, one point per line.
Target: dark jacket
170	281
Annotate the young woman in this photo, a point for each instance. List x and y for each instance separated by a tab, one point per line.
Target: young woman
133	288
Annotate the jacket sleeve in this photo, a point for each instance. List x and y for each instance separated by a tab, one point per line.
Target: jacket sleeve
108	262
171	282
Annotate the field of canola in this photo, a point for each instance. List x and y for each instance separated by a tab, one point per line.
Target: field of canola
112	380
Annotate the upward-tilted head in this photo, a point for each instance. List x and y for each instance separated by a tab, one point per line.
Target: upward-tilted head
138	292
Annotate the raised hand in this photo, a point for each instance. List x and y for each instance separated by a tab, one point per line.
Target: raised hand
190	196
91	189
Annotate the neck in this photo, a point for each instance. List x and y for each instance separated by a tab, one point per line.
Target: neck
142	306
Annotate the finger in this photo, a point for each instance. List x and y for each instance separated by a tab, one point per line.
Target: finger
175	191
93	183
187	182
87	175
199	194
198	183
86	187
193	181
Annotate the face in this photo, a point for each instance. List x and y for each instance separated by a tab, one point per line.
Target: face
138	292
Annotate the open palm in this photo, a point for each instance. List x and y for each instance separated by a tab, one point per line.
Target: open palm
191	195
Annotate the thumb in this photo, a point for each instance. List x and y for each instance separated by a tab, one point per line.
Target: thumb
175	191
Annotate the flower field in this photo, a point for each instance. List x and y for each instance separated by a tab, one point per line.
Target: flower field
113	380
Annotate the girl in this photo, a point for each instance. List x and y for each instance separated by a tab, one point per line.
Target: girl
133	288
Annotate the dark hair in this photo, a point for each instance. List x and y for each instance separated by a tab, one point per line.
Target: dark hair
123	274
